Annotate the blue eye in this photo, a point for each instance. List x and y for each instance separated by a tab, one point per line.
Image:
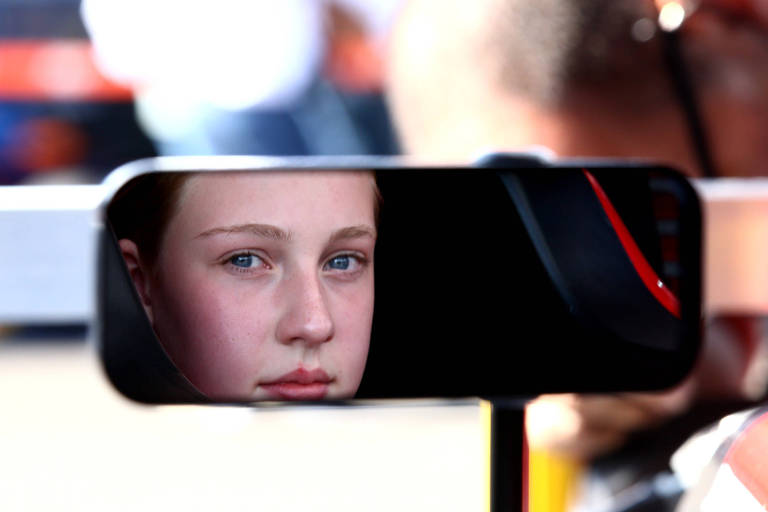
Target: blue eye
346	265
245	260
339	262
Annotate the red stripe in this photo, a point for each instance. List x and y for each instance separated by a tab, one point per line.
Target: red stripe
51	70
655	285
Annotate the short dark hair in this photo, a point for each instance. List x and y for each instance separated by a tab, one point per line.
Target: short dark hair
142	209
554	51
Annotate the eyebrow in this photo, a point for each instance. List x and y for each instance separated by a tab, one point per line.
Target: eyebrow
277	234
361	231
262	230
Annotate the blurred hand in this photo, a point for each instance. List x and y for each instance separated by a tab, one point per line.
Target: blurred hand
585	426
733	365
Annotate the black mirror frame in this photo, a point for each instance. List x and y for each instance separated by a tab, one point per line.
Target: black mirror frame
138	366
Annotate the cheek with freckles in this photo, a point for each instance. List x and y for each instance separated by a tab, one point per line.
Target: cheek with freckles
219	340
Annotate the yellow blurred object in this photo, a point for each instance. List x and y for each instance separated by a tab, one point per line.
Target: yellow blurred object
553	481
485	414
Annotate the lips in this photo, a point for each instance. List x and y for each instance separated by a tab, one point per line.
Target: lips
299	384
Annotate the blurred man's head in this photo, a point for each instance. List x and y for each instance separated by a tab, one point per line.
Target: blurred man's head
583	77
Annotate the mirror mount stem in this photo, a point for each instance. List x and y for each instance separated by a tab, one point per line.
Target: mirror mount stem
508	457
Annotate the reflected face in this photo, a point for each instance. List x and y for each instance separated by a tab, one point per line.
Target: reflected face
263	287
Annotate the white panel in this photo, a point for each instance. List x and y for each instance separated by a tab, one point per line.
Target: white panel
47	253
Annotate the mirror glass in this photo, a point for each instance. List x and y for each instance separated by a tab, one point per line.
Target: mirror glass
339	284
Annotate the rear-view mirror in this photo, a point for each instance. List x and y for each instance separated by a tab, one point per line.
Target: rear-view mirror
241	280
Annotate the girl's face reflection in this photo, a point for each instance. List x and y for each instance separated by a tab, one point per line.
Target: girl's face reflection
263	287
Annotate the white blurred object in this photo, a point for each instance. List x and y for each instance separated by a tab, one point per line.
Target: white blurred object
232	53
713	479
185	58
735	265
47	253
70	442
693	457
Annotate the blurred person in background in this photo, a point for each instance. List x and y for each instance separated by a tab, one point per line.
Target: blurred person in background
507	73
299	77
679	82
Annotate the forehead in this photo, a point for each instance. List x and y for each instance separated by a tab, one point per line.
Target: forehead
289	199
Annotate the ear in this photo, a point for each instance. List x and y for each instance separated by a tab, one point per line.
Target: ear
139	274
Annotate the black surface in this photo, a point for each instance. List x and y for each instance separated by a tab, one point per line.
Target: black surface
465	306
508	459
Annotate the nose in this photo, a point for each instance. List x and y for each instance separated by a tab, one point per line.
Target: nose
306	317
